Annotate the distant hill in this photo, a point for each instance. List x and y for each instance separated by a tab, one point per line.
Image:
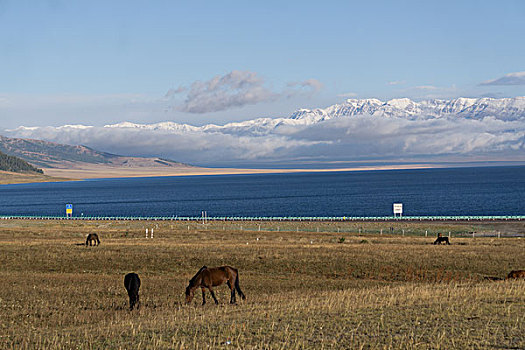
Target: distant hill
54	155
17	165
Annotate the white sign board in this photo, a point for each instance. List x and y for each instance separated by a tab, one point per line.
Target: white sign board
398	208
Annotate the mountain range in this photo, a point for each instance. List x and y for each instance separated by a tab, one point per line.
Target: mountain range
55	155
357	129
507	109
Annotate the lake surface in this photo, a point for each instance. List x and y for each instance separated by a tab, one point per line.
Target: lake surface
459	191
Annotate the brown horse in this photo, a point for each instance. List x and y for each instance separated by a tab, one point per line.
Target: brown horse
213	277
515	274
440	239
92	239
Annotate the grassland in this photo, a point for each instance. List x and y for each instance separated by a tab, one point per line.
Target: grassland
304	289
7	177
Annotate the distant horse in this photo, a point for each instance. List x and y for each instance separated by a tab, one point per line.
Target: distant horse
490	278
515	274
440	239
213	277
92	239
132	284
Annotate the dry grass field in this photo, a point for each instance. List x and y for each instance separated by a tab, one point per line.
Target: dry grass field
304	289
7	177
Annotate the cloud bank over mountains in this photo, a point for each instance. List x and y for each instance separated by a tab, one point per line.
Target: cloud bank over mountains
358	129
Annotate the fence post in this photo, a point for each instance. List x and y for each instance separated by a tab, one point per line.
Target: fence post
381	232
146	233
259	227
448	234
499	234
403	232
426	233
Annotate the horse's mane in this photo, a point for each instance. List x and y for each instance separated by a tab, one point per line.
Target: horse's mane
197	274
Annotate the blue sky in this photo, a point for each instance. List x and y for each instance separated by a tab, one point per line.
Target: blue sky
99	62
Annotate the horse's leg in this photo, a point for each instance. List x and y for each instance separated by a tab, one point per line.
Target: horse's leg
238	287
203	296
213	295
232	288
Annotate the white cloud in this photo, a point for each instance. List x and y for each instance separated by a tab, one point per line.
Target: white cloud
233	90
517	78
425	87
345	138
396	82
313	84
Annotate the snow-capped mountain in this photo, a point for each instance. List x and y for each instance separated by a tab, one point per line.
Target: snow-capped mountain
506	109
354	129
476	108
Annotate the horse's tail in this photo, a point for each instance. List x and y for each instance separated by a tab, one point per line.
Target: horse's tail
238	287
127	282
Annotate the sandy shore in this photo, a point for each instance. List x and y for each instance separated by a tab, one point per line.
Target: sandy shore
100	171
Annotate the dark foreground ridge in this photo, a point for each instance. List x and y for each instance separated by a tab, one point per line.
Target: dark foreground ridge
17	165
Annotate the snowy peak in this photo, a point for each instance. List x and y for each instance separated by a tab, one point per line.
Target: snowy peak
507	109
401	103
477	108
504	109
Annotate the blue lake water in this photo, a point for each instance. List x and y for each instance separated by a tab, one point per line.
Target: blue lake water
459	191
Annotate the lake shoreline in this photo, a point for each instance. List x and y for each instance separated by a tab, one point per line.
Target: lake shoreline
109	172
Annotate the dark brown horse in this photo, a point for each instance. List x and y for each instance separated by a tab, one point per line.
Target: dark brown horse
515	274
440	239
213	277
92	239
132	284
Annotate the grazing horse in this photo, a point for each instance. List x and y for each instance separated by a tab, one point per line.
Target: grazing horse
132	284
92	239
440	239
213	277
515	274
